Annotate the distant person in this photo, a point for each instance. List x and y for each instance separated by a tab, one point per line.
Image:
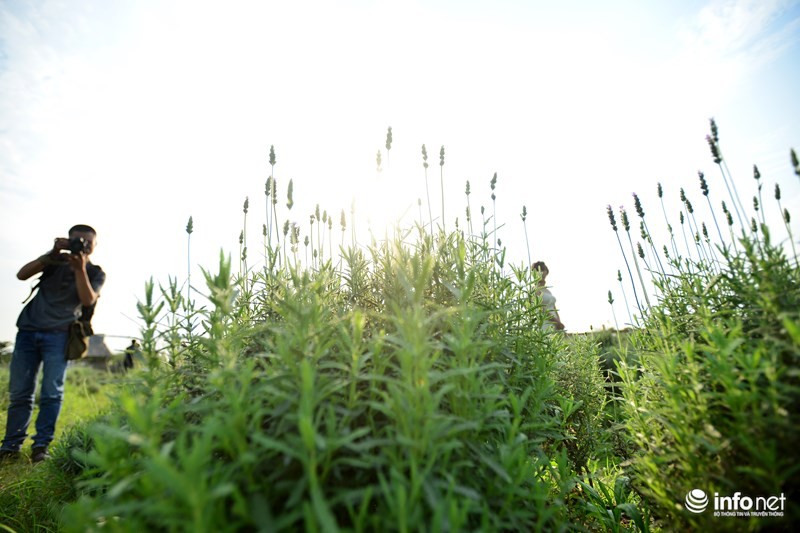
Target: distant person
69	283
548	300
130	352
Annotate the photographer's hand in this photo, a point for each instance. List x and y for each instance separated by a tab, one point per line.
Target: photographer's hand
77	262
60	243
55	255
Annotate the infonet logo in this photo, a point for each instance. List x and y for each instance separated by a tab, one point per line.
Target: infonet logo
696	501
737	505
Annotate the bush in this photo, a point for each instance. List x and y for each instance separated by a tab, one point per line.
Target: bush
581	388
713	401
420	395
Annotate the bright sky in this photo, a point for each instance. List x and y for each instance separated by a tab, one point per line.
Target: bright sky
133	116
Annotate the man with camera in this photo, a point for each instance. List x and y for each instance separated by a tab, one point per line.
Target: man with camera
69	285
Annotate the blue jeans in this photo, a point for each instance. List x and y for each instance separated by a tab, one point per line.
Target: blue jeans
32	350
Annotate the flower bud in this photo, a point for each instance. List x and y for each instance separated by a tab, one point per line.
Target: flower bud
714	150
638	205
624	216
703	184
611	218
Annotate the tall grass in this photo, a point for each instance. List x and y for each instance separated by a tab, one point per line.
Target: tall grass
408	385
712	400
31	495
395	396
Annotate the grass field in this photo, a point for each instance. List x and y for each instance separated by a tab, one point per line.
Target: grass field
31	494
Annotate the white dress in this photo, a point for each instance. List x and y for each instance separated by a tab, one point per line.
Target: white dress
549	303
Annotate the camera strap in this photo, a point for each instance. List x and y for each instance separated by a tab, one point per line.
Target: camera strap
33	289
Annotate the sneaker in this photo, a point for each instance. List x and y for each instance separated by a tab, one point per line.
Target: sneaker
39	454
8	456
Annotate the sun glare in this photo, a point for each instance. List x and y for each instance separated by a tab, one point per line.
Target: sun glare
385	203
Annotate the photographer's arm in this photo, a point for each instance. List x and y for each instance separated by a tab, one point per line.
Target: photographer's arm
86	293
38	264
31	269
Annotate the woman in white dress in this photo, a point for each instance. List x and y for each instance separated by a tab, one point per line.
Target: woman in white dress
548	300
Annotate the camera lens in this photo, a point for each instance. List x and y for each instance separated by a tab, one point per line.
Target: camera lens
77	245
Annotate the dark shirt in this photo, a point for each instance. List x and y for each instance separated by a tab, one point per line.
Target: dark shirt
57	304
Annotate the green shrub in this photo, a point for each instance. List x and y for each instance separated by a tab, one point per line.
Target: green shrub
581	387
413	390
614	509
712	403
715	409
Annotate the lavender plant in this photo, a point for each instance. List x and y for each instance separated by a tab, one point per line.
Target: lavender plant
414	387
710	399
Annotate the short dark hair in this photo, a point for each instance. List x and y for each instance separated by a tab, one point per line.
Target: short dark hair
540	266
82	228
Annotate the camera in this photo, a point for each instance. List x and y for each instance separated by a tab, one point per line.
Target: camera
77	245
